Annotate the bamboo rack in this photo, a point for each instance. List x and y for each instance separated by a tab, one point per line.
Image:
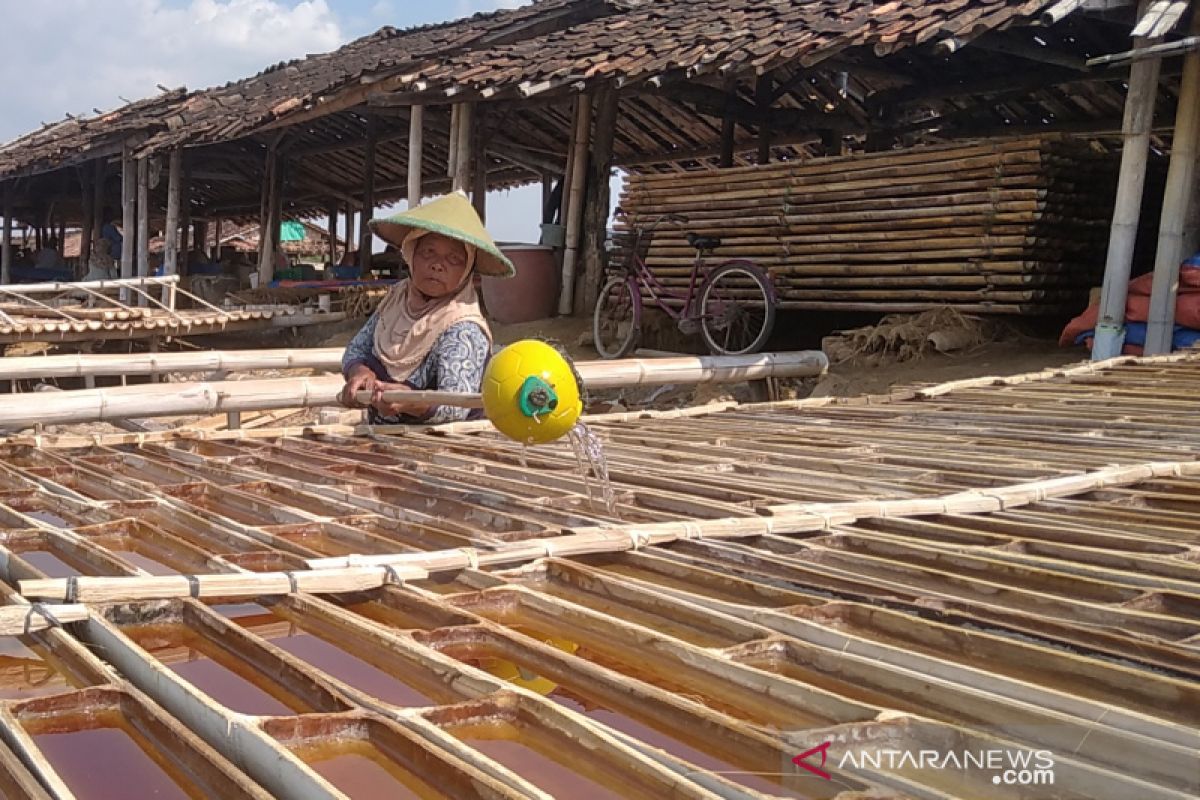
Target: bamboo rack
23	410
359	573
1013	227
996	562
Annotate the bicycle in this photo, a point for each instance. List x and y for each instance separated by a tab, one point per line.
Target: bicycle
732	306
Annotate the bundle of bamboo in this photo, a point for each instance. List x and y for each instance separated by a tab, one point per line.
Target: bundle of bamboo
1013	227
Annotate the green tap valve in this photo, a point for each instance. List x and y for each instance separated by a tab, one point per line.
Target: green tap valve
536	397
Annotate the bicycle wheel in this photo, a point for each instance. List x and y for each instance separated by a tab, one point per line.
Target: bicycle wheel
737	307
617	320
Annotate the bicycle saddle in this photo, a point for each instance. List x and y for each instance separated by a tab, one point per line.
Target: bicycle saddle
703	242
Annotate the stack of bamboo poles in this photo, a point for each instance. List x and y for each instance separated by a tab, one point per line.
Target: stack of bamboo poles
1012	227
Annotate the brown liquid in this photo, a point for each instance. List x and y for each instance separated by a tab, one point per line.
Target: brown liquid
351	670
217	673
505	744
235	611
569	697
629	613
25	673
49	518
666	743
146	563
397	618
358	769
110	763
49	563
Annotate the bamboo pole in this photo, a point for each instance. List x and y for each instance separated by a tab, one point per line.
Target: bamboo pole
1135	133
578	169
416	147
6	257
267	394
1177	200
19	620
143	222
360	573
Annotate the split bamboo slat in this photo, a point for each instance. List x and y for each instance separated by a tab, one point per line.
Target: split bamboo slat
1006	227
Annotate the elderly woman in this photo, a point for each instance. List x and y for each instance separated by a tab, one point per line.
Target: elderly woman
429	332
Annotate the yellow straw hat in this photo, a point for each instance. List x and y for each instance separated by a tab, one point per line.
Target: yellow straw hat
451	215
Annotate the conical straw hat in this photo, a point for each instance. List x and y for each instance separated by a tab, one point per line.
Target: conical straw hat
450	215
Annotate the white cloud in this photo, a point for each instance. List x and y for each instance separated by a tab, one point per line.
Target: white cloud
73	55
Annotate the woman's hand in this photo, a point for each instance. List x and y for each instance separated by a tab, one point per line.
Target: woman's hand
360	379
395	409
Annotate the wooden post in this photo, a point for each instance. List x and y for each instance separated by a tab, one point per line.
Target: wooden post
333	257
479	182
86	223
6	256
364	242
578	165
598	203
452	145
416	146
266	238
762	99
98	220
462	160
128	217
277	210
143	222
1178	197
728	131
185	216
1135	132
152	347
171	226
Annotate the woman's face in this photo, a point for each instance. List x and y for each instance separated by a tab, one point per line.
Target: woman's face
439	264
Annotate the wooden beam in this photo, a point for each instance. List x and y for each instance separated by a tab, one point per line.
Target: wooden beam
416	154
598	200
1009	44
364	244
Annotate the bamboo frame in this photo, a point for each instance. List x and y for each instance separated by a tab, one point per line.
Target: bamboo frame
1052	607
261	395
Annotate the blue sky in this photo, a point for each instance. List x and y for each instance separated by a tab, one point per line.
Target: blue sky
74	56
